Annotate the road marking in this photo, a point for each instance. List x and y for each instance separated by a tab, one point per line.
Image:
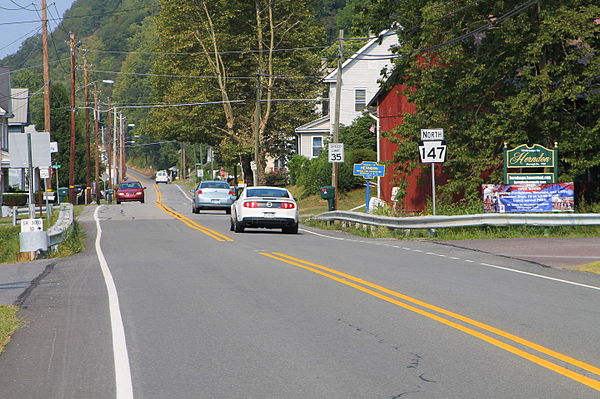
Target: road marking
124	387
187	221
344	279
508	269
184	193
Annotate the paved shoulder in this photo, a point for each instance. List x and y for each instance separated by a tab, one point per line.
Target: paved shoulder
553	252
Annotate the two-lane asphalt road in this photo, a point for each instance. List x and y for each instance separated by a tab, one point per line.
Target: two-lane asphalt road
208	313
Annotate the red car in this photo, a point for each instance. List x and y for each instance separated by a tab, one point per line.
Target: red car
130	190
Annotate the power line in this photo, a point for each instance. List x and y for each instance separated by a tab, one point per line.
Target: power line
201	76
32	67
210	52
78	16
20	7
36	30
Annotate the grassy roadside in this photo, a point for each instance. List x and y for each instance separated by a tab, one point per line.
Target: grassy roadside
591	268
9	323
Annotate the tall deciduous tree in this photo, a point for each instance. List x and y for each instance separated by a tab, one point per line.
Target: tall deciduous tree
232	47
490	72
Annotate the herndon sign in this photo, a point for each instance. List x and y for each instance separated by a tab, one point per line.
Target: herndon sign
527	157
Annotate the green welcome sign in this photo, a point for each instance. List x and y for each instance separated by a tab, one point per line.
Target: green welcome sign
535	156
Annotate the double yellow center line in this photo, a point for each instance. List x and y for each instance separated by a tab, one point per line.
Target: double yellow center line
209	232
445	317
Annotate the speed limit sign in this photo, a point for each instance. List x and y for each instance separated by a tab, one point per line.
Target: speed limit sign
336	152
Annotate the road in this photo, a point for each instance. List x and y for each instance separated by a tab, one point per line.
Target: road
198	311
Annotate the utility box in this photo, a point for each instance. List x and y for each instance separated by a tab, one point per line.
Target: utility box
63	194
328	193
109	195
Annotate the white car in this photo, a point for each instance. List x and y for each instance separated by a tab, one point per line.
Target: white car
162	177
266	207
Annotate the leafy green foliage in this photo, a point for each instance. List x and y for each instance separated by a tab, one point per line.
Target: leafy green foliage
531	78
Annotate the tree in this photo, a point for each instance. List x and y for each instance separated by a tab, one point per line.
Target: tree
238	46
494	72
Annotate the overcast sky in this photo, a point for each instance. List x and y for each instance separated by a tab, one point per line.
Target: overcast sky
13	34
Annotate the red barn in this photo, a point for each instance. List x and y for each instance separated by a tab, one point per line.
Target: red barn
391	105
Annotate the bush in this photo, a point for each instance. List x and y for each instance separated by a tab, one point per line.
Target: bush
15	199
278	179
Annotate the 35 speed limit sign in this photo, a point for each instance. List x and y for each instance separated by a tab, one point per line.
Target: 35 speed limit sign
432	151
336	152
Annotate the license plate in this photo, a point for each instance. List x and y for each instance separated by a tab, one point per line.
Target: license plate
269	214
216	201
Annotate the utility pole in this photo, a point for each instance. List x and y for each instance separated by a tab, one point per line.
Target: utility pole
123	129
115	147
72	143
109	138
46	72
96	148
87	129
257	127
336	116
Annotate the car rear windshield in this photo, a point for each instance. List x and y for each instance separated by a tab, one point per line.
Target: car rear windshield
267	192
214	184
127	186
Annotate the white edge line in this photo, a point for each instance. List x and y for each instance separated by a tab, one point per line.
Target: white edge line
184	193
471	261
541	276
124	387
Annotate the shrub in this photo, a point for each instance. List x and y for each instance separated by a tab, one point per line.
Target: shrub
15	199
278	179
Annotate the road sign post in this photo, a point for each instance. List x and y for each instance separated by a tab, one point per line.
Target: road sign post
432	150
368	170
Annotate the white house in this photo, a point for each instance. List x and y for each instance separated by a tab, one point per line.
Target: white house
360	73
17	124
5	114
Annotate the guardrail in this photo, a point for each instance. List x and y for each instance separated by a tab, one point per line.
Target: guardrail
441	221
57	233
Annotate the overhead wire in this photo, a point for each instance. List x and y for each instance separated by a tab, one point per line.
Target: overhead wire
34	31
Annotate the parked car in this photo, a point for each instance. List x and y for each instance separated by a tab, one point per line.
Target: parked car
162	177
265	207
213	194
130	190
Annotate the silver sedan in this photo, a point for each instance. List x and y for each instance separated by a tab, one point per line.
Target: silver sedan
213	194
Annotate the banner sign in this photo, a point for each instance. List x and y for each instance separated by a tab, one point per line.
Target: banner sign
505	198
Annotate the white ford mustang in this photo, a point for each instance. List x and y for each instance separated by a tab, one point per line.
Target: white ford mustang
267	207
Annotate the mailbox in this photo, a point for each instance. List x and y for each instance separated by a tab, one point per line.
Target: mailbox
328	193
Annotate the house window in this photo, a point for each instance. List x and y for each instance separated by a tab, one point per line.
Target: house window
317	145
360	99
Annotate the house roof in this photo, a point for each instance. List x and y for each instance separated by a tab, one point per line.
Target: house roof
320	125
20	107
357	55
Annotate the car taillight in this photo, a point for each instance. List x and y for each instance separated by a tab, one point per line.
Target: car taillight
231	192
199	191
288	205
250	204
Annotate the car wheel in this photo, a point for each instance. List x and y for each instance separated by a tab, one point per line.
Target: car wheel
194	209
239	227
293	229
231	227
118	202
142	201
228	211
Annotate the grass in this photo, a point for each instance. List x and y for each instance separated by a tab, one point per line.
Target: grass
9	323
591	267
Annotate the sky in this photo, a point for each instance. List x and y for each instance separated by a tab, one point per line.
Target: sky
12	35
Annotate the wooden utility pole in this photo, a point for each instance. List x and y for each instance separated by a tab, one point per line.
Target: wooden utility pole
96	147
123	134
109	130
336	116
257	129
46	72
72	142
88	164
